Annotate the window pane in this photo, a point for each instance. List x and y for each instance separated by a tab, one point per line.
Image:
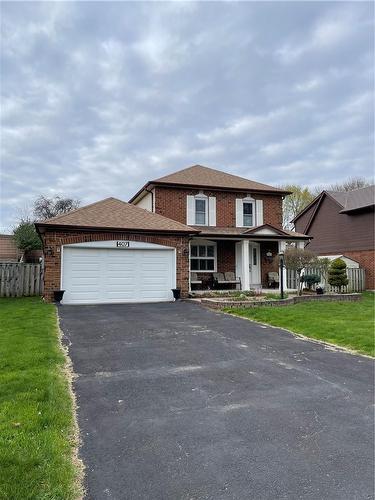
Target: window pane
202	264
194	264
200	212
210	251
247	208
202	251
254	256
247	220
210	265
200	205
194	251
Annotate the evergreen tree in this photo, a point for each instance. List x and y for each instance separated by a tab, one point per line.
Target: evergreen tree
337	274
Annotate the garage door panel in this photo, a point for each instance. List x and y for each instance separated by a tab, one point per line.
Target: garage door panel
92	275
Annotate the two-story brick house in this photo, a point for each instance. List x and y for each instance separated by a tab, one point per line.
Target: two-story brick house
197	220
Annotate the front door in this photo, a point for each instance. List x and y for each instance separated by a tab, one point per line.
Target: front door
254	264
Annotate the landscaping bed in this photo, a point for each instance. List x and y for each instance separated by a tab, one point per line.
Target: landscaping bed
37	428
346	322
228	302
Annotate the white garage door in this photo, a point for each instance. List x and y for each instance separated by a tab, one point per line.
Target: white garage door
110	275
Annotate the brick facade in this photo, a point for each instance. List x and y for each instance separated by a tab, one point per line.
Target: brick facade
171	202
366	260
54	239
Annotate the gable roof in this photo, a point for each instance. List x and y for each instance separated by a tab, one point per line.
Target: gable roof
112	213
348	201
356	199
200	176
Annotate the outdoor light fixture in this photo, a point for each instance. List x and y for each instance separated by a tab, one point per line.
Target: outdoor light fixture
269	257
281	264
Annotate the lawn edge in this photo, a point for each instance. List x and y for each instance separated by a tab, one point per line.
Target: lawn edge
75	436
328	345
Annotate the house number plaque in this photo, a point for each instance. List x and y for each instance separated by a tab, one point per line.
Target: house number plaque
122	244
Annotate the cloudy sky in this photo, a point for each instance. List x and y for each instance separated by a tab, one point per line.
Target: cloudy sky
97	98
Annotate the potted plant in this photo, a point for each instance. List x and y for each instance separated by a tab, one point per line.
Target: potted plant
58	295
176	293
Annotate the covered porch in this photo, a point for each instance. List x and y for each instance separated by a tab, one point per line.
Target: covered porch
241	261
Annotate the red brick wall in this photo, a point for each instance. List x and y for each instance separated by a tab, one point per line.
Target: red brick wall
366	259
54	239
171	202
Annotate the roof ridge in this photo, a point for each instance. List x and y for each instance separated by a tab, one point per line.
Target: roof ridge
221	172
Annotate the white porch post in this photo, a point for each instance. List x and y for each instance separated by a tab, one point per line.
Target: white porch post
245	261
282	247
301	245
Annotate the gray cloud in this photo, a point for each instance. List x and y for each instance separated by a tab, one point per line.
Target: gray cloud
97	98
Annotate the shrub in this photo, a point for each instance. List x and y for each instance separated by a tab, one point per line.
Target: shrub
26	237
310	280
337	274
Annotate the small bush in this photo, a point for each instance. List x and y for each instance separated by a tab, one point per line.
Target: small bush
310	280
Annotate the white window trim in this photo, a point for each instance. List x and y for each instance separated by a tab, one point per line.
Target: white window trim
203	197
251	200
202	243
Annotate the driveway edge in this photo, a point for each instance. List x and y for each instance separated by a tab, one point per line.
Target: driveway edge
76	440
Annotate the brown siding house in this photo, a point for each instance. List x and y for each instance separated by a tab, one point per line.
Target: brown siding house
342	223
8	249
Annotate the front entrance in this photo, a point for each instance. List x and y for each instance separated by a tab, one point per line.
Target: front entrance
254	264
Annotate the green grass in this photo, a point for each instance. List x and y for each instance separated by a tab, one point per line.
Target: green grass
347	324
36	417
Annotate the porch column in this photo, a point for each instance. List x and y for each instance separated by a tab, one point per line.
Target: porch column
282	247
245	261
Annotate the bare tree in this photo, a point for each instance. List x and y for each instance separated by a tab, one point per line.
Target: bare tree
297	259
45	208
348	185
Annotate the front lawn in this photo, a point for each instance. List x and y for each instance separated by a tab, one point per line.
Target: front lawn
36	418
347	324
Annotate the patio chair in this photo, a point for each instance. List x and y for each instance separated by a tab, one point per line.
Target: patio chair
273	279
227	278
231	279
194	279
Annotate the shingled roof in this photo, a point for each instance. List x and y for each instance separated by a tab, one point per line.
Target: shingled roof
199	176
112	213
356	199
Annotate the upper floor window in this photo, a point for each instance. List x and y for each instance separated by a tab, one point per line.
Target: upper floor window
200	211
248	213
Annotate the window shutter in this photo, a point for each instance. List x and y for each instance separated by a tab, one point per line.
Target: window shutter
259	212
239	212
190	210
212	211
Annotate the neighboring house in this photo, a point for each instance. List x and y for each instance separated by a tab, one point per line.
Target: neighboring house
197	220
8	249
342	223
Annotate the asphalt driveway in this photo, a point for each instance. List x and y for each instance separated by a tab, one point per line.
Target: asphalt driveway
178	402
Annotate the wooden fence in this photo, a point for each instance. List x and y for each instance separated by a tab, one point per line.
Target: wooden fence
356	277
21	280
